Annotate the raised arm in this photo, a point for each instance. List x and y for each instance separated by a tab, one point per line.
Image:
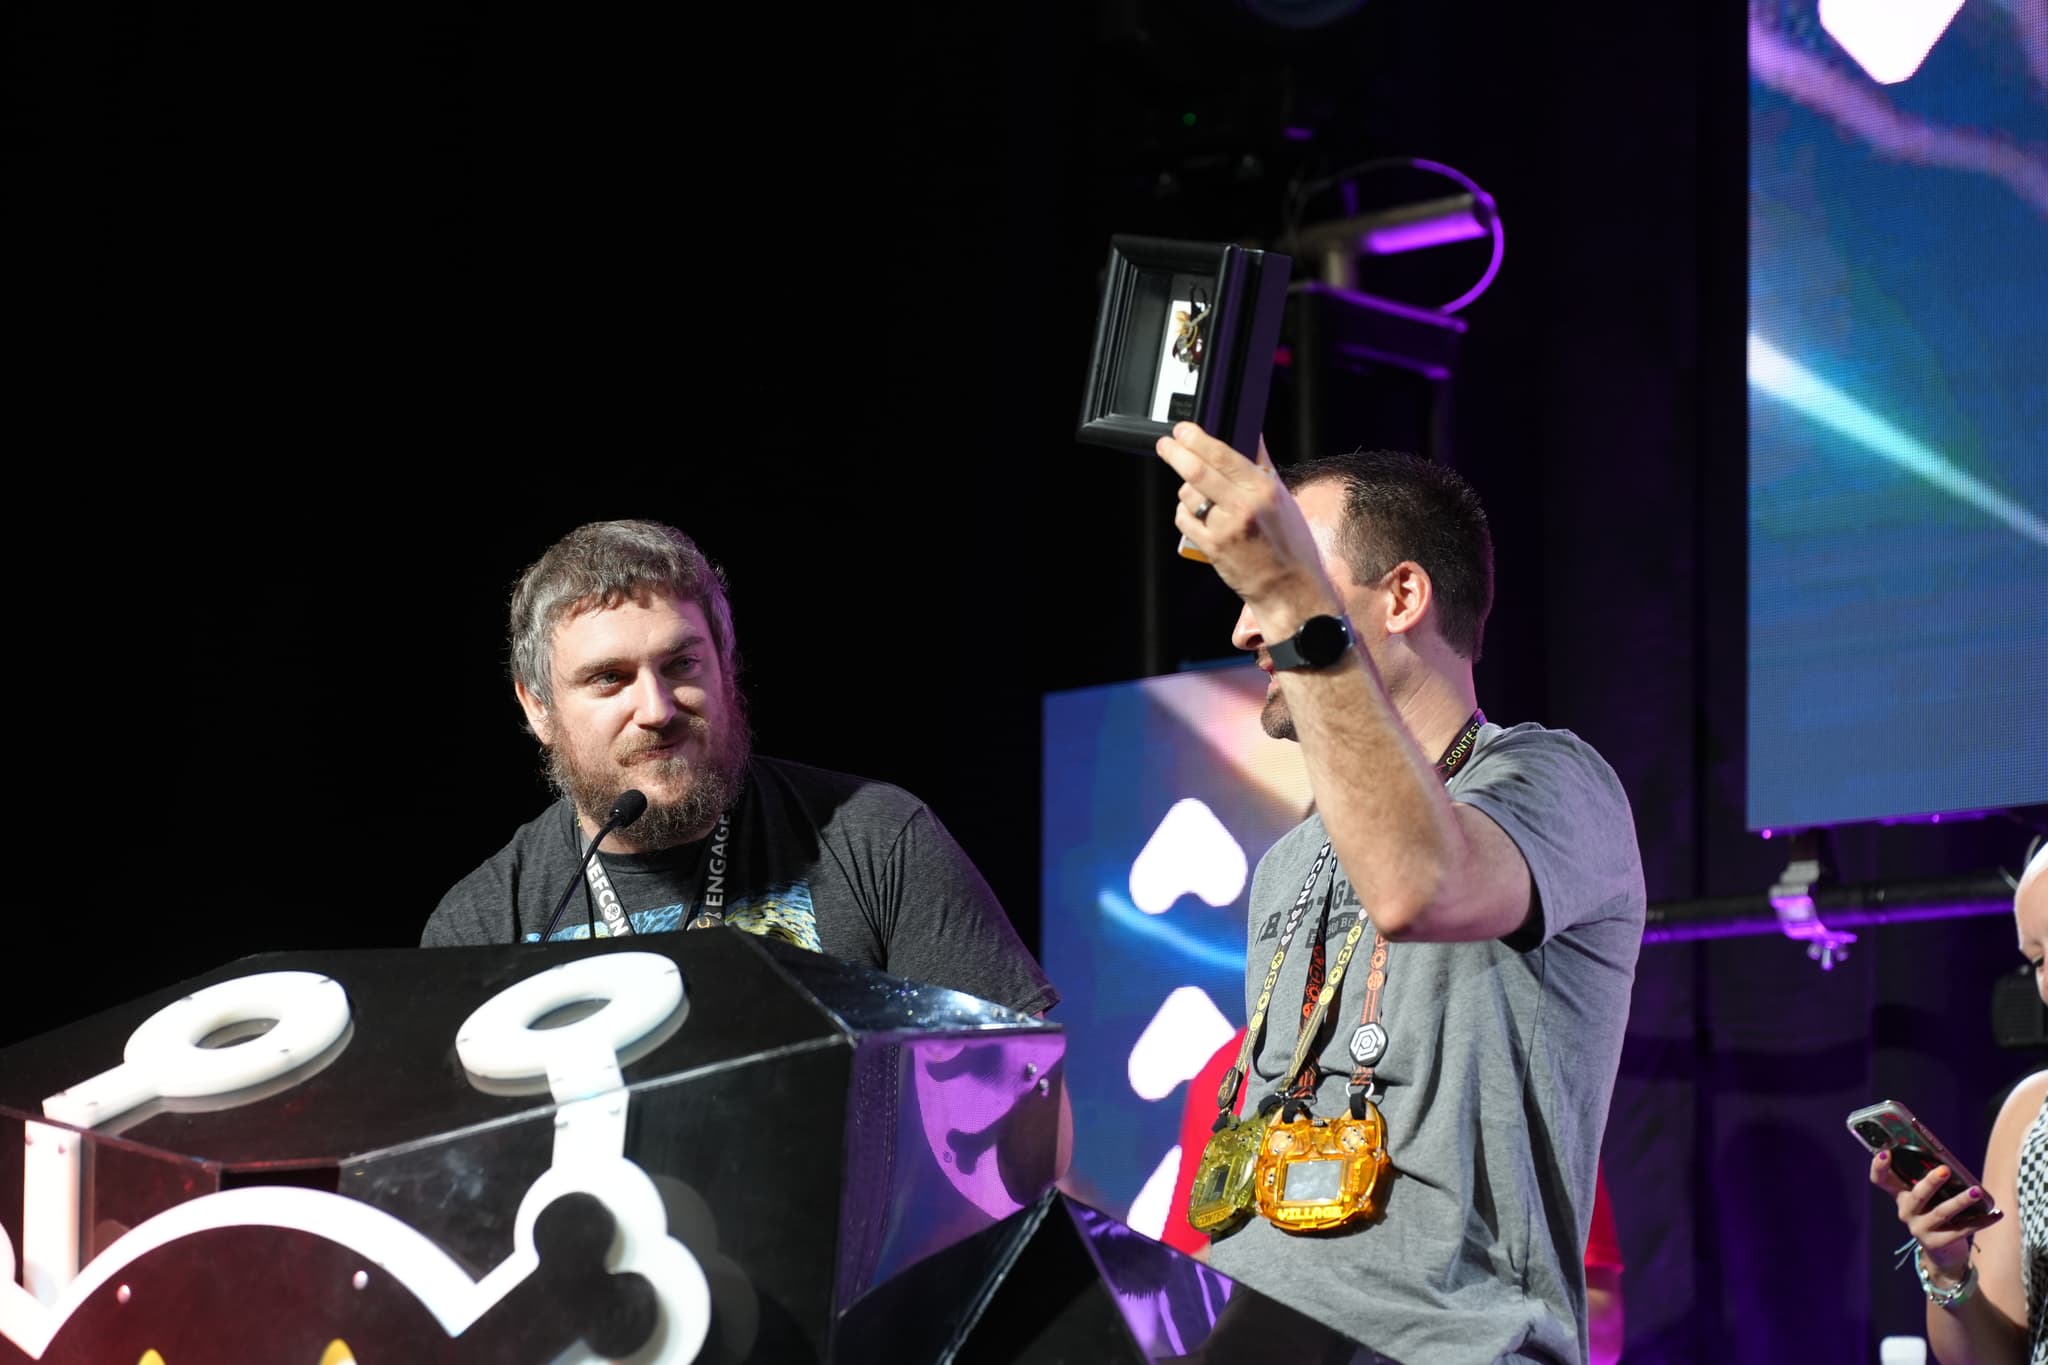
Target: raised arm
1431	868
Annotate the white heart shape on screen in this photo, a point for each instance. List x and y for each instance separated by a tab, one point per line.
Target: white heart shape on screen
1190	852
1888	38
1155	1200
1183	1035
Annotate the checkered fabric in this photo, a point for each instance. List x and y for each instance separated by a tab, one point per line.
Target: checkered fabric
2033	1192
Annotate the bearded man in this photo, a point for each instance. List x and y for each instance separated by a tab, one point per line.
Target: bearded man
624	661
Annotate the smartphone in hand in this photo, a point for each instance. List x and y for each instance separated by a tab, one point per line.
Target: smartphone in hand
1889	1126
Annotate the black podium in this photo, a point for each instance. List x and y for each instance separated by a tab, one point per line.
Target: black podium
704	1146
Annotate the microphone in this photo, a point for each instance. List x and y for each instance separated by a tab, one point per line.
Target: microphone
630	806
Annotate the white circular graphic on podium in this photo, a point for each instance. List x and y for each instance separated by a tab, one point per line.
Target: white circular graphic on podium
311	1011
640	991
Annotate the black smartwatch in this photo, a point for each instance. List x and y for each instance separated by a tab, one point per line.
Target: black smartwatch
1321	641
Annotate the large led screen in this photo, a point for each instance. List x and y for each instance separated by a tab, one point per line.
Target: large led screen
1160	795
1898	409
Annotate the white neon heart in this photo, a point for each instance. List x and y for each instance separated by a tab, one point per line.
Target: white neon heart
1888	38
1190	853
1155	1199
1183	1035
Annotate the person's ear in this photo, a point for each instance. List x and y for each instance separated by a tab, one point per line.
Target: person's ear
1410	595
537	717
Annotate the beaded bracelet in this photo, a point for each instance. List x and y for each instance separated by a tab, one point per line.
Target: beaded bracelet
1946	1296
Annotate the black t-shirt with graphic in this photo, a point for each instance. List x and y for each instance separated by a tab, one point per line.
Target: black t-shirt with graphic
838	864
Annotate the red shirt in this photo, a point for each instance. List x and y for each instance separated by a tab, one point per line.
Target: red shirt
1197	1121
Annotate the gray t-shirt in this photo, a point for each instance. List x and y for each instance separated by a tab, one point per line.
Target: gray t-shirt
838	864
1499	1066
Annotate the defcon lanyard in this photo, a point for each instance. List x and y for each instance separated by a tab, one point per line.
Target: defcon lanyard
706	898
1369	1042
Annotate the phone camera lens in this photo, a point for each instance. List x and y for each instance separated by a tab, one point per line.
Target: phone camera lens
1873	1134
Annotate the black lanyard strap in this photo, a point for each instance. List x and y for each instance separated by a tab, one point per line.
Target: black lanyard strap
1369	1041
1226	1093
707	896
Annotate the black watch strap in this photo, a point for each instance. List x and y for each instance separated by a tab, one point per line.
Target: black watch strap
1321	641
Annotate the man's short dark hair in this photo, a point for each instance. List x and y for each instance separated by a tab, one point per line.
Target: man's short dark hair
1399	506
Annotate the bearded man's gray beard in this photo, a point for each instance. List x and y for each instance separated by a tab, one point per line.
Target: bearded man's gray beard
715	784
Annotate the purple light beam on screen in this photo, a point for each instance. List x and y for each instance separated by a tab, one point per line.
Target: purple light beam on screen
1863	111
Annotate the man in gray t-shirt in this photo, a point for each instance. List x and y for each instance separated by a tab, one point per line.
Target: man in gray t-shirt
624	663
858	869
1502	879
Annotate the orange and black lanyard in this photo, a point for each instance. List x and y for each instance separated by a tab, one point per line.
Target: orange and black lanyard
1226	1093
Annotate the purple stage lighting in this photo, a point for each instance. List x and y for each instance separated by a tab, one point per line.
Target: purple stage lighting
1458	225
1796	914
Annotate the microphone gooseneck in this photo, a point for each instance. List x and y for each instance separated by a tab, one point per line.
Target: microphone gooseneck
630	806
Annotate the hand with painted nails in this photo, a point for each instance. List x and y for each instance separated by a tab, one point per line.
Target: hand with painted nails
1994	1323
1979	1305
1939	1225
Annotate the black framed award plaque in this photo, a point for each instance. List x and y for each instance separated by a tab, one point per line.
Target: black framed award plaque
1186	332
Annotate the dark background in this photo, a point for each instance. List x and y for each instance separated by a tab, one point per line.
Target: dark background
335	320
